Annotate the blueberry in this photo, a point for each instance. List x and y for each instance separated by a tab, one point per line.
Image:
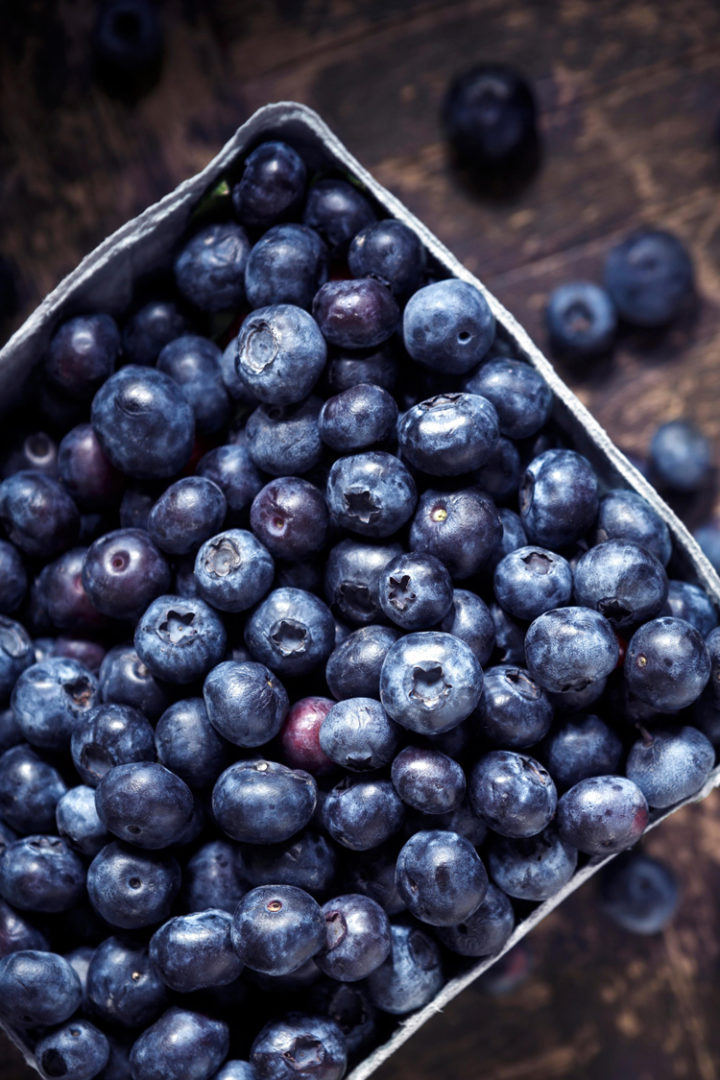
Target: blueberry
191	952
135	507
649	276
583	746
691	603
534	868
625	515
353	667
390	252
290	518
521	397
13	578
37	988
412	974
415	591
11	732
88	653
581	320
570	647
622	581
485	931
501	474
514	711
531	580
300	735
361	814
180	640
51	698
602	815
210	269
285	440
193	362
358	418
29	790
708	538
680	456
470	620
78	1050
352	578
358	735
17	933
337	211
372	494
85	470
430	682
144	804
356	314
41	873
181	1045
489	117
150	328
236	1070
374	367
123	987
667	664
428	780
440	877
558	498
245	702
38	515
449	434
287	265
358	937
36	451
144	423
131	889
271	187
67	603
280	353
82	354
277	928
512	793
347	1005
448	326
110	735
78	822
231	468
214	877
123	571
291	632
639	893
461	528
188	512
233	570
307	860
669	766
263	802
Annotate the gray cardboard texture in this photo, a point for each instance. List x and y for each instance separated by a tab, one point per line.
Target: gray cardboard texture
104	281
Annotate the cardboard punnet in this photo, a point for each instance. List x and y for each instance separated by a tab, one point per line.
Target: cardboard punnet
104	280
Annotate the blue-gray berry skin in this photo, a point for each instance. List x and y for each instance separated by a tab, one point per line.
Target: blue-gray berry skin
188	744
284	440
568	648
263	802
78	1050
371	494
214	877
277	928
144	804
144	423
461	528
514	711
358	313
667	664
280	353
521	397
428	780
82	354
412	974
307	860
430	682
78	822
18	932
272	185
359	735
584	745
291	632
287	265
691	603
193	952
233	570
110	735
150	328
581	320
236	1070
124	679
638	893
357	938
358	418
415	591
448	326
622	581
13	578
194	363
353	667
470	620
246	703
181	1045
37	989
29	790
449	434
485	931
558	498
41	873
187	512
352	578
602	815
531	580
232	469
625	515
210	269
38	515
362	814
441	877
337	210
512	793
649	276
130	888
50	700
299	1047
16	656
123	987
534	868
680	456
670	765
390	252
180	639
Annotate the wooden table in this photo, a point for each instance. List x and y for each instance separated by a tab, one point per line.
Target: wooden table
630	97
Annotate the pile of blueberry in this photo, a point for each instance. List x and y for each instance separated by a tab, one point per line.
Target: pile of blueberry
324	656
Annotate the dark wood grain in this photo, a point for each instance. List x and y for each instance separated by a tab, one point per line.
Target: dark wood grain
630	96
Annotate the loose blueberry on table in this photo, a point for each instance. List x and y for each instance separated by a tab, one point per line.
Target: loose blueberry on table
339	576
